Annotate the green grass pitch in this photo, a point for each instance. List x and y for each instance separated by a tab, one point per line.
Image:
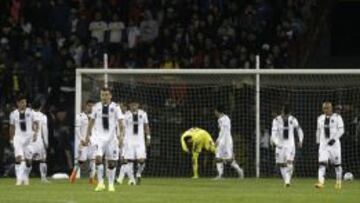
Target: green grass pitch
182	190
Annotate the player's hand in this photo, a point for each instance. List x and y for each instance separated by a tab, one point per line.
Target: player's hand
86	141
11	141
83	142
331	142
217	143
300	145
148	140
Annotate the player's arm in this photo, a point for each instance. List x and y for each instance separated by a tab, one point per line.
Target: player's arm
45	132
147	130
12	127
35	127
318	131
120	118
275	134
299	132
340	127
183	144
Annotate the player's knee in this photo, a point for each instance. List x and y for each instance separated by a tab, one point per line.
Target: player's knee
111	164
18	159
98	160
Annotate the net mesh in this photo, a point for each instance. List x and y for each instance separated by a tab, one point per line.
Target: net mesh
177	102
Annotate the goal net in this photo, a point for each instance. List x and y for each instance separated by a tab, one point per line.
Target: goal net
178	100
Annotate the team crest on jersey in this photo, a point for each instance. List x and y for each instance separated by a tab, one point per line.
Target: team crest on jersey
111	110
140	116
27	115
290	122
332	120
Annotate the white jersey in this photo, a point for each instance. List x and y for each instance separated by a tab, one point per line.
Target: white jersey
23	122
225	138
43	136
134	125
106	120
329	127
81	125
282	133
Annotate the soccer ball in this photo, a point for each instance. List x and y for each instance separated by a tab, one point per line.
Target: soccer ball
348	176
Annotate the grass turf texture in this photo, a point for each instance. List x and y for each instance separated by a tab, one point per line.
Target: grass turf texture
181	190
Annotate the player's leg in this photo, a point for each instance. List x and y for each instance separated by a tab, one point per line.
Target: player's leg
29	150
335	159
99	165
43	166
231	160
19	161
290	155
112	156
129	156
80	160
323	162
122	170
281	163
92	165
140	154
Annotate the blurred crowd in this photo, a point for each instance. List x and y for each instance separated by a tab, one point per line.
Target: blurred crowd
42	42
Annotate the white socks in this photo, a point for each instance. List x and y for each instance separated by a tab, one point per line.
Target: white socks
290	171
338	171
130	171
239	170
111	175
140	169
284	173
92	167
220	168
322	172
43	170
100	173
18	172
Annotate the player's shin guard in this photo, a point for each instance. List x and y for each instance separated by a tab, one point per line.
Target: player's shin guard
111	175
338	171
22	172
322	172
130	172
43	170
18	173
285	174
140	169
239	170
290	170
122	173
220	169
100	173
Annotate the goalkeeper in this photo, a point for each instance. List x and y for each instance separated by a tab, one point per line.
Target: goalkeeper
194	141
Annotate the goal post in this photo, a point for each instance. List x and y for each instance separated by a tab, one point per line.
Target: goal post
176	98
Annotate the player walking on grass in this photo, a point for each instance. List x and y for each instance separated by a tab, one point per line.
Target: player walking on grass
224	145
23	131
104	120
137	137
193	141
330	128
282	136
83	152
39	147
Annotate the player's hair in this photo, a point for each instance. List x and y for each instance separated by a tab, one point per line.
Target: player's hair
89	101
36	104
105	89
220	108
286	109
20	97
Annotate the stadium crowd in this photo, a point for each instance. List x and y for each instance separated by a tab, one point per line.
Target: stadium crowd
42	43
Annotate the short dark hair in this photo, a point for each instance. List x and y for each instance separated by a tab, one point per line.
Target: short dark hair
220	108
286	109
20	97
89	101
105	89
36	104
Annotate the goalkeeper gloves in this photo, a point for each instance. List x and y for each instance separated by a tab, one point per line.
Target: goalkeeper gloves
331	142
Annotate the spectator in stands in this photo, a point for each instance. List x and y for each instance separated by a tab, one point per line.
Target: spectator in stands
98	27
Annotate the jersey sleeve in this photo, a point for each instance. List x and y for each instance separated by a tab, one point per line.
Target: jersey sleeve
93	112
340	127
146	121
12	118
275	133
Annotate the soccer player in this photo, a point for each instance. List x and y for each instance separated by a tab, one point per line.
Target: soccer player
23	131
123	165
38	148
330	128
105	118
224	145
83	152
282	136
193	141
137	132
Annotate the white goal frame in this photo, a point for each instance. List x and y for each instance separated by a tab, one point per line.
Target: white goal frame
255	72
